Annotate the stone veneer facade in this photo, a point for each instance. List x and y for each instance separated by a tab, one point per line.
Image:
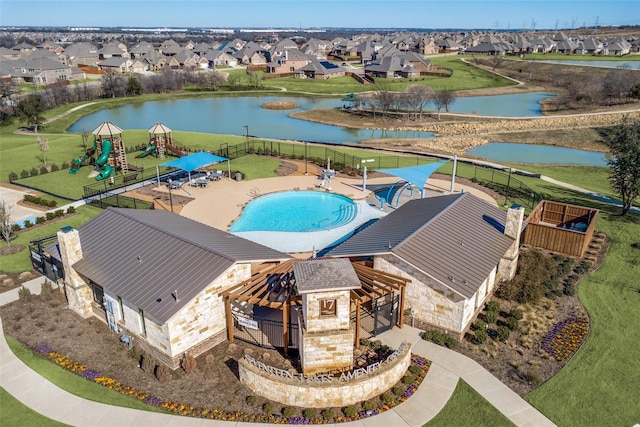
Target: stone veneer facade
296	392
434	303
326	342
197	327
513	228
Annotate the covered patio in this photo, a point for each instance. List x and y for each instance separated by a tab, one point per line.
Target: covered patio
193	162
274	286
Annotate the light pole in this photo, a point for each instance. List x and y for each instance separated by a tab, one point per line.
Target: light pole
246	128
305	158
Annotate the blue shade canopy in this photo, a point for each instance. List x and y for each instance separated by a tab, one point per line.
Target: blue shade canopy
194	161
416	175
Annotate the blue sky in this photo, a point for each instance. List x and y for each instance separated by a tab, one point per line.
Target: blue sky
492	14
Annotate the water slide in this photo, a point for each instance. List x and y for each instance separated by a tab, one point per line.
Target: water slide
101	162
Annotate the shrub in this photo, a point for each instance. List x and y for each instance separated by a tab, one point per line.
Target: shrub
569	288
512	323
493	306
49	216
43	170
491	317
147	364
369	405
532	378
54	168
268	408
327	414
583	267
58	213
188	363
349	411
28	224
65	165
479	324
387	398
516	313
163	373
251	400
46	289
288	411
414	369
397	390
408	379
480	336
13	176
71	210
41	219
309	413
24	173
15	227
33	172
24	294
503	333
534	270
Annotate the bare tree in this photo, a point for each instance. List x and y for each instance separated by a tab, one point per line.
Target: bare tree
44	146
417	97
443	100
6	224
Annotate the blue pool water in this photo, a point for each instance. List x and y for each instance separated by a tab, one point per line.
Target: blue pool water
538	154
297	211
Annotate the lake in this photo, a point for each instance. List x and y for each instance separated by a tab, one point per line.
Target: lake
634	65
506	152
230	115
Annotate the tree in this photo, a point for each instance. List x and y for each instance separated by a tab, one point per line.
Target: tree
624	174
417	97
30	110
133	86
443	100
6	224
44	146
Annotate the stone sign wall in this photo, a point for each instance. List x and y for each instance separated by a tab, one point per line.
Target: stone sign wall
324	390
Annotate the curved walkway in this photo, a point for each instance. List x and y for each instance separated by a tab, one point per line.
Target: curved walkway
446	368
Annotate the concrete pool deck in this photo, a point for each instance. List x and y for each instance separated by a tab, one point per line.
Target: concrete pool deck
221	202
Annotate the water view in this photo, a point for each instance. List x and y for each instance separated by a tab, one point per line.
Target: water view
234	115
537	154
634	65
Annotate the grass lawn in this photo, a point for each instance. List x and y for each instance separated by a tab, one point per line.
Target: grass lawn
21	261
468	408
73	383
14	413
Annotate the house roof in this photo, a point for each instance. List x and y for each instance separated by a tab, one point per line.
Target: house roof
317	275
145	256
457	239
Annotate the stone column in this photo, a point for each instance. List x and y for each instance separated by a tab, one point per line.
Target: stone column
77	290
512	228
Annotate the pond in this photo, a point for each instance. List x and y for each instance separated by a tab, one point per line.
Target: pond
538	154
634	65
231	115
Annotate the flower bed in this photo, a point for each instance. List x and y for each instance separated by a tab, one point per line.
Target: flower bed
566	337
221	414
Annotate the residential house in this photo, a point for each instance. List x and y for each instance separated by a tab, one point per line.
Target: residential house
288	62
427	46
113	49
170	47
157	277
321	70
155	60
81	54
589	46
41	70
397	65
219	58
455	249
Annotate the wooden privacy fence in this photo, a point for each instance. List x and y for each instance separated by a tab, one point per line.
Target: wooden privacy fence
560	227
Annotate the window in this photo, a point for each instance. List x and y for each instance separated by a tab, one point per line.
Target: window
121	309
143	327
97	292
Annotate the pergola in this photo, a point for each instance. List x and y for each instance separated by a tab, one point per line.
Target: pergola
274	286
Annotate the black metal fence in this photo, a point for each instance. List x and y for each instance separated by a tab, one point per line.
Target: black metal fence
44	261
381	316
264	333
505	183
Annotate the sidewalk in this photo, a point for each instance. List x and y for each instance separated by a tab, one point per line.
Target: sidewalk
447	367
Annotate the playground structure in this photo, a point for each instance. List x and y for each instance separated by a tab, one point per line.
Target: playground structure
160	142
108	146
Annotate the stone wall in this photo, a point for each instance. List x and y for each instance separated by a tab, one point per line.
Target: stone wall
79	296
434	303
315	322
326	391
327	351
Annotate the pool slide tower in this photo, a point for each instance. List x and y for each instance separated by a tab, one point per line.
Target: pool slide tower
108	146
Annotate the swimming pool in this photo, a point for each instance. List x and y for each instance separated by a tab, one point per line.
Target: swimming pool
302	221
299	211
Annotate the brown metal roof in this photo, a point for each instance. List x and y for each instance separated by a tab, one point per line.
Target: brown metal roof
317	275
456	239
147	256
